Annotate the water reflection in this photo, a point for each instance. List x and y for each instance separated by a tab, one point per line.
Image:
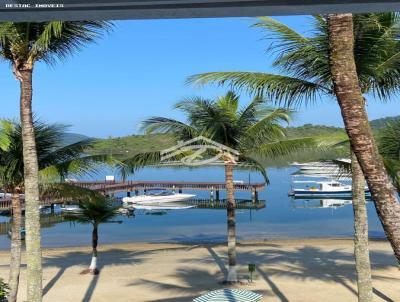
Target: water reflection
279	217
318	202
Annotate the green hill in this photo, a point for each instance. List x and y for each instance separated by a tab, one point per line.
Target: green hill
382	122
314	130
129	145
133	144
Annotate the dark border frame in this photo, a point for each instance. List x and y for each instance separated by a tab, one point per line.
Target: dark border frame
170	9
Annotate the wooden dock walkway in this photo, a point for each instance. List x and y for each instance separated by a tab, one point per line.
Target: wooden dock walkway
112	187
131	186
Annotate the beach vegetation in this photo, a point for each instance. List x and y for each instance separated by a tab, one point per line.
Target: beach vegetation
3	291
95	210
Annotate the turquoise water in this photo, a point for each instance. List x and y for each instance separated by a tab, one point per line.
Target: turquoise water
282	217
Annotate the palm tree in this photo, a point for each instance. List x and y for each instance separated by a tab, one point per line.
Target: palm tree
23	45
304	61
95	210
255	131
55	160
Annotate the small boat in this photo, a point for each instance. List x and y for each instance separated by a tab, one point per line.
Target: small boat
126	211
71	208
159	197
325	188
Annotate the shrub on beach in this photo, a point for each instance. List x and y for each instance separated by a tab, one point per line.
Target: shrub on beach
3	291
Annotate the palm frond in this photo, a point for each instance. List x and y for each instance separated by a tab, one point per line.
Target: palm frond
95	210
285	147
167	125
58	39
389	141
6	127
268	128
393	169
138	161
279	31
254	165
66	192
277	88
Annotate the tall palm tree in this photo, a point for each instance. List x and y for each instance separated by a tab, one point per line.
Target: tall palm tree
349	92
23	45
95	210
305	64
255	131
54	160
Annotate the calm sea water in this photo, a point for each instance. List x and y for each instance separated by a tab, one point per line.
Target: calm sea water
282	217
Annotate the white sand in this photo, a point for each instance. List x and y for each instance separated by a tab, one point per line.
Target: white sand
292	270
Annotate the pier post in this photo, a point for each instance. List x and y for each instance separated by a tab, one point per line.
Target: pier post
52	208
254	195
137	192
217	195
128	194
180	191
212	194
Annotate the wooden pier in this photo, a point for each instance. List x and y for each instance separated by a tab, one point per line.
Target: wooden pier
107	187
112	187
5	203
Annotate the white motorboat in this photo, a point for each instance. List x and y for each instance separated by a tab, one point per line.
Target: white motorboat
159	197
72	208
325	188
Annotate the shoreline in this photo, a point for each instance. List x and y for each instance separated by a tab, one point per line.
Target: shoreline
301	270
290	240
286	241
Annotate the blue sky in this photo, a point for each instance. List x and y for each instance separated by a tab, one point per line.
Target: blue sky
139	70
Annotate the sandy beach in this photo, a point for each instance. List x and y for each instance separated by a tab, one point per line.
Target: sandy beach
287	270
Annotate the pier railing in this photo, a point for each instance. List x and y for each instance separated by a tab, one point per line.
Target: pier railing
111	187
114	186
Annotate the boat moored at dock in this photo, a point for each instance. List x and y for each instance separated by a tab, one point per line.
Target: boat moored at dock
324	188
158	197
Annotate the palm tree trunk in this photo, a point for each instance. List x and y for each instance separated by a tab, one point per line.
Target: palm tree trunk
95	237
361	250
15	261
230	194
32	215
352	105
